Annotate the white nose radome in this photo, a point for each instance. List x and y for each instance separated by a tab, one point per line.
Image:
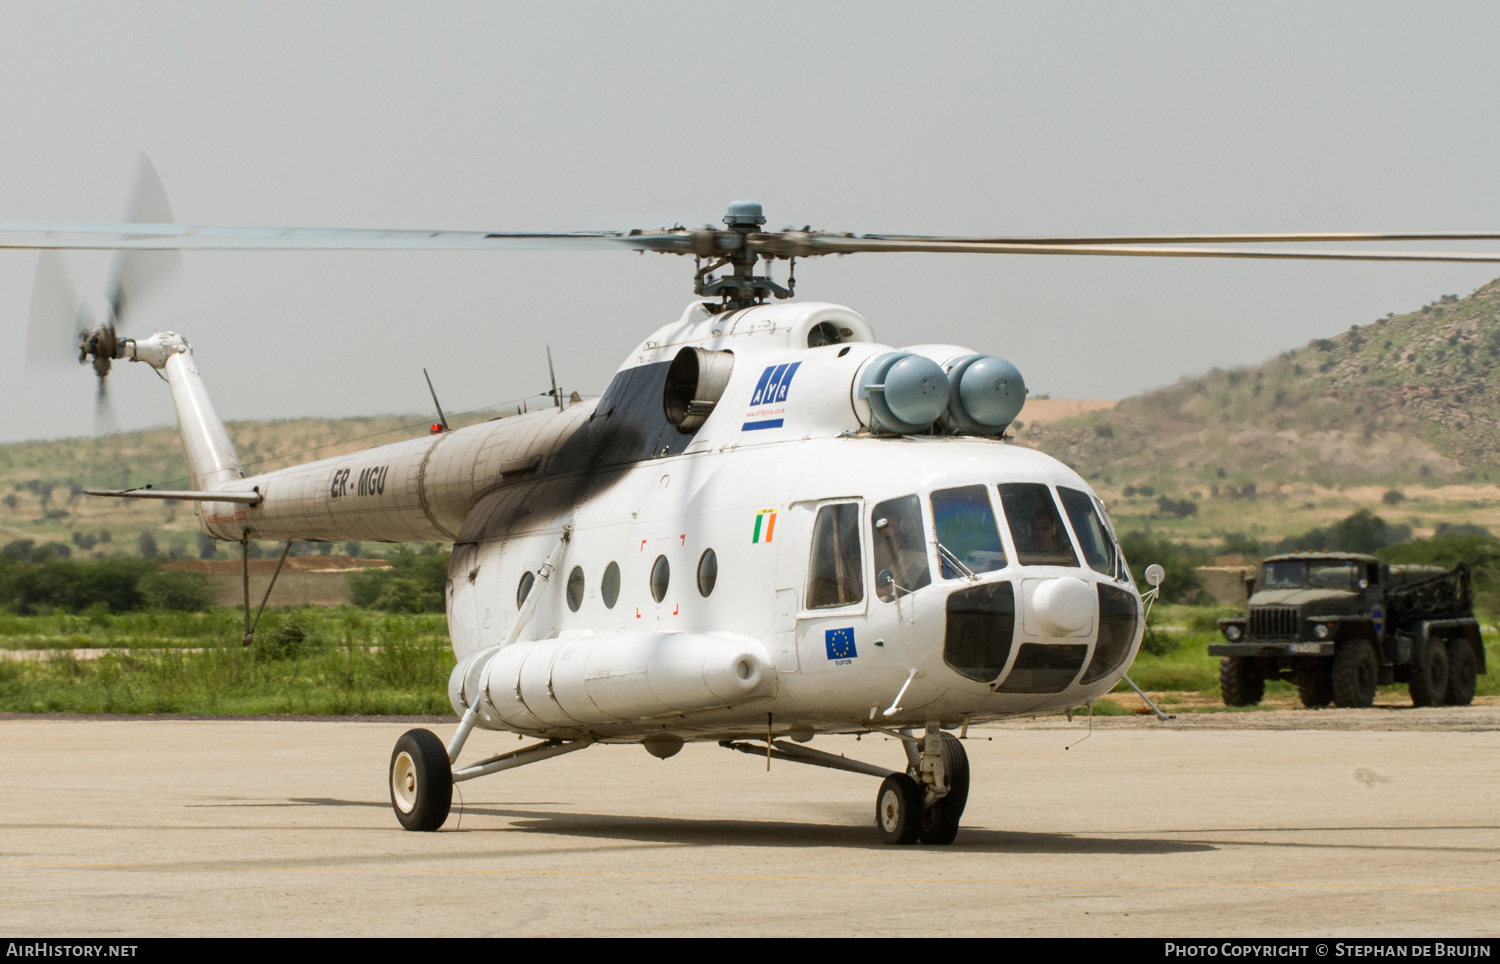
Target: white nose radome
1063	606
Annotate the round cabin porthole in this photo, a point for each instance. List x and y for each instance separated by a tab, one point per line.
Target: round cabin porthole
575	588
708	572
661	576
609	585
528	578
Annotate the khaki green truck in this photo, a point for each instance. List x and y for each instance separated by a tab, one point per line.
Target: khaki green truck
1340	624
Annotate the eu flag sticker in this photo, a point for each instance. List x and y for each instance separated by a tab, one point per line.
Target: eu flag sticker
840	643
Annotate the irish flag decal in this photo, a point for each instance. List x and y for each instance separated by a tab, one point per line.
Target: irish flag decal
765	524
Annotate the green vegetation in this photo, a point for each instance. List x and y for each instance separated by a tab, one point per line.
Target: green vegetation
108	585
337	661
1180	561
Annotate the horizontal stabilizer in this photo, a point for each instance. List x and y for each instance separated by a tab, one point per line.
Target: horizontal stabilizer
246	498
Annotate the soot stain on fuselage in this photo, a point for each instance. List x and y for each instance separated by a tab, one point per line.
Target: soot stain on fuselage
627	427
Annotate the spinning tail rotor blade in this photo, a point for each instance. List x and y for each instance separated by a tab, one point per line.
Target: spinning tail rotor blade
136	272
52	327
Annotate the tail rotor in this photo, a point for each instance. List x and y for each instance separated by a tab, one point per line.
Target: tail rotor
59	318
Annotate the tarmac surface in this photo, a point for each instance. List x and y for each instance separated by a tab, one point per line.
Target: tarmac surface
1312	823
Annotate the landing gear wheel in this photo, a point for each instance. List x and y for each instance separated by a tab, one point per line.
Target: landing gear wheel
1429	673
940	821
421	781
1240	681
1355	673
1461	673
898	809
1315	689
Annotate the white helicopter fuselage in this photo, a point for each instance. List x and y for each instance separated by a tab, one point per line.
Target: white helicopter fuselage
775	561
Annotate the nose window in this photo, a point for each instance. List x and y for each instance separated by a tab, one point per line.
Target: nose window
1036	526
1044	668
981	624
966	532
1116	632
1098	548
900	553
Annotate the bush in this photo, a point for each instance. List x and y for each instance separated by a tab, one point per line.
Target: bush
414	583
1364	531
189	592
1176	508
116	585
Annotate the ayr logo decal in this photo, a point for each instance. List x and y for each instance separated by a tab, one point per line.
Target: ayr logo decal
767	405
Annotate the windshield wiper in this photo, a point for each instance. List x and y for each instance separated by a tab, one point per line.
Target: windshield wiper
954	561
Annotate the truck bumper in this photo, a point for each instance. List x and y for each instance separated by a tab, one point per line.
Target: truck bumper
1279	648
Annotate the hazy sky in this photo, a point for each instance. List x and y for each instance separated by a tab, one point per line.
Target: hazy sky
944	118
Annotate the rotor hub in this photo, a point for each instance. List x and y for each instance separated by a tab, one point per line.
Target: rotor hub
736	249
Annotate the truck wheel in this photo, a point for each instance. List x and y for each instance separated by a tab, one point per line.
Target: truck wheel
1429	673
1354	673
1461	673
1240	681
1315	689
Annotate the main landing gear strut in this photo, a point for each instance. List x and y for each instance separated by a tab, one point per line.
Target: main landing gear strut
922	804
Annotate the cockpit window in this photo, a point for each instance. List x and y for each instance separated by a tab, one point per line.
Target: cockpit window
966	532
1036	526
1098	548
900	549
836	575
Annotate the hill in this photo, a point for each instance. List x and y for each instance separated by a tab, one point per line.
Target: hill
1406	399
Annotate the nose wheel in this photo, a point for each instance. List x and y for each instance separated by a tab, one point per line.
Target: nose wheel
907	812
940	817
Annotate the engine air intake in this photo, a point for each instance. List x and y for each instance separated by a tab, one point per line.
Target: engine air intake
695	383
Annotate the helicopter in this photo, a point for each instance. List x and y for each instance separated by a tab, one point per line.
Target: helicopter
769	527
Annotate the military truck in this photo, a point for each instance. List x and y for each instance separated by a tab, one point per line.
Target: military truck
1340	624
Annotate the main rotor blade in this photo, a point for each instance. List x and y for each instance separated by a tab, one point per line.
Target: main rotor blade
137	271
198	237
801	244
51	327
815	245
1199	238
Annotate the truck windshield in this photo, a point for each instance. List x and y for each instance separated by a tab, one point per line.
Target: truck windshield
1296	573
